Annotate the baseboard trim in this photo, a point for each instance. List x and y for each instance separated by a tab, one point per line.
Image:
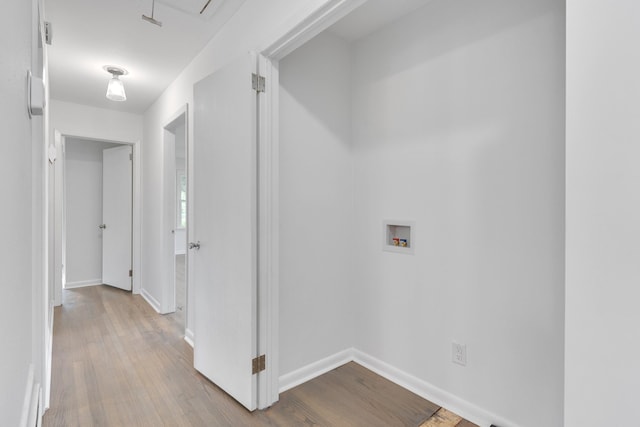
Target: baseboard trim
430	392
82	283
315	369
189	337
48	361
150	300
31	406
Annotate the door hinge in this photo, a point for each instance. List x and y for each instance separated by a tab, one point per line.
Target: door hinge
48	32
258	82
258	364
130	273
130	156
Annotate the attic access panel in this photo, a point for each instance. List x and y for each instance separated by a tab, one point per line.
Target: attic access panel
194	7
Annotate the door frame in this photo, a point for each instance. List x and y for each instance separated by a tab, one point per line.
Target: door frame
311	23
168	294
60	210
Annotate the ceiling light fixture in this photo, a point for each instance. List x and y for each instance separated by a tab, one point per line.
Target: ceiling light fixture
115	89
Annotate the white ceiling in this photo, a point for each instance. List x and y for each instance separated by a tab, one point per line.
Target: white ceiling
372	16
88	34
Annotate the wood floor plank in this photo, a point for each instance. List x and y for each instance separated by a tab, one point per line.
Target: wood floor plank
443	418
116	362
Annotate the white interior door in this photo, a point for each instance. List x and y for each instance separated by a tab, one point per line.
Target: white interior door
224	265
116	217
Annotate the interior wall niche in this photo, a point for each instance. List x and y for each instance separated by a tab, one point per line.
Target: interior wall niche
398	236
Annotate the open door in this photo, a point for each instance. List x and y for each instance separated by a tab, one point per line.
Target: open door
116	217
224	243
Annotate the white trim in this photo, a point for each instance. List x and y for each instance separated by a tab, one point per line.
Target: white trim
167	295
189	337
315	369
58	219
428	391
39	171
26	402
188	229
60	203
154	303
136	237
48	359
422	388
268	253
82	283
307	24
168	286
312	25
30	405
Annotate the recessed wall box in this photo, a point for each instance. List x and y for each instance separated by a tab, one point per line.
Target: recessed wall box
398	236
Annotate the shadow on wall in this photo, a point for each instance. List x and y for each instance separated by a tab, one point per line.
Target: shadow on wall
443	26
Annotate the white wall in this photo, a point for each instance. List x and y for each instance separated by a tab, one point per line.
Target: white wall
83	179
459	125
90	122
316	203
602	373
17	330
256	25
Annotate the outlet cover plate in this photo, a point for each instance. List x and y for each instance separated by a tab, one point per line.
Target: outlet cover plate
459	353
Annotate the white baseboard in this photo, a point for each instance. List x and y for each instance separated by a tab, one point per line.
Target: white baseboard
189	337
30	407
82	283
315	369
150	299
430	392
48	362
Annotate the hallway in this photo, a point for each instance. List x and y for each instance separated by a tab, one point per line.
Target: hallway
118	363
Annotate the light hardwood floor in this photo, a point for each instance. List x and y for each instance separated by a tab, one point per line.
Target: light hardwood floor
179	316
118	363
444	418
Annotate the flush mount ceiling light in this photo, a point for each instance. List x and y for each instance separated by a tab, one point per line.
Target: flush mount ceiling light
115	89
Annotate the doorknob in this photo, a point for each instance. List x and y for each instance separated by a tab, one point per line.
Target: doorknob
195	246
102	226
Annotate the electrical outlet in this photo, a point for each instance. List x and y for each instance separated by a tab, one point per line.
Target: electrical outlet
459	353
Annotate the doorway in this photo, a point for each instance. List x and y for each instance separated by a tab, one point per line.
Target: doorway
97	213
175	291
77	189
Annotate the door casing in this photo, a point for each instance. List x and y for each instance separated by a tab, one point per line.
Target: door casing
169	209
311	23
59	210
